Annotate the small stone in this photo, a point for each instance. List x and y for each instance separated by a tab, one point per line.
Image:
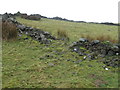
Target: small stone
75	49
46	33
104	66
19	35
106	69
111	53
74	43
117	53
26	32
68	60
95	41
21	27
83	40
84	57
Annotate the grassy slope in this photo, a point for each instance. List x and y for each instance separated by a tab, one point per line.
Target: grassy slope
27	63
75	30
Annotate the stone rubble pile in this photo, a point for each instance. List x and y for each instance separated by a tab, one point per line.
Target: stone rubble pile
96	49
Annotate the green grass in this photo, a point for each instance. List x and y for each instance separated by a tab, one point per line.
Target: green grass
28	64
74	30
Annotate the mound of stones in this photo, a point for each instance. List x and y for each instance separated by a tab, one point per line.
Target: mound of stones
36	34
96	49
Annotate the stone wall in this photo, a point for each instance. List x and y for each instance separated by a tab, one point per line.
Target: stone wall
36	34
31	17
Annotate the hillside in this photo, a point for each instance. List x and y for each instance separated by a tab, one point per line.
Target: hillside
29	64
74	30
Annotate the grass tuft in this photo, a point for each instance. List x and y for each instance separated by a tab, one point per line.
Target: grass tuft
99	37
9	31
62	34
106	38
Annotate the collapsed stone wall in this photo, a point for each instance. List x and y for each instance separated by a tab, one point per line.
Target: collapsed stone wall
104	48
37	34
109	52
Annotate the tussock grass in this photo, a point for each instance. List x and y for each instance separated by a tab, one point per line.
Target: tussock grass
100	38
106	38
9	31
62	34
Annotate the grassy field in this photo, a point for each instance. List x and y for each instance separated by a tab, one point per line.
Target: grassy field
29	64
74	30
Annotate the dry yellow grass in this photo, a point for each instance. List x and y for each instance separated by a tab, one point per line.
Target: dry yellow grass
9	31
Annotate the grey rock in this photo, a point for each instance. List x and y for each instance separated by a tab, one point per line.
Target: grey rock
26	33
83	40
19	35
110	53
85	57
81	54
5	17
103	52
75	49
73	44
46	33
21	27
95	41
68	60
20	31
